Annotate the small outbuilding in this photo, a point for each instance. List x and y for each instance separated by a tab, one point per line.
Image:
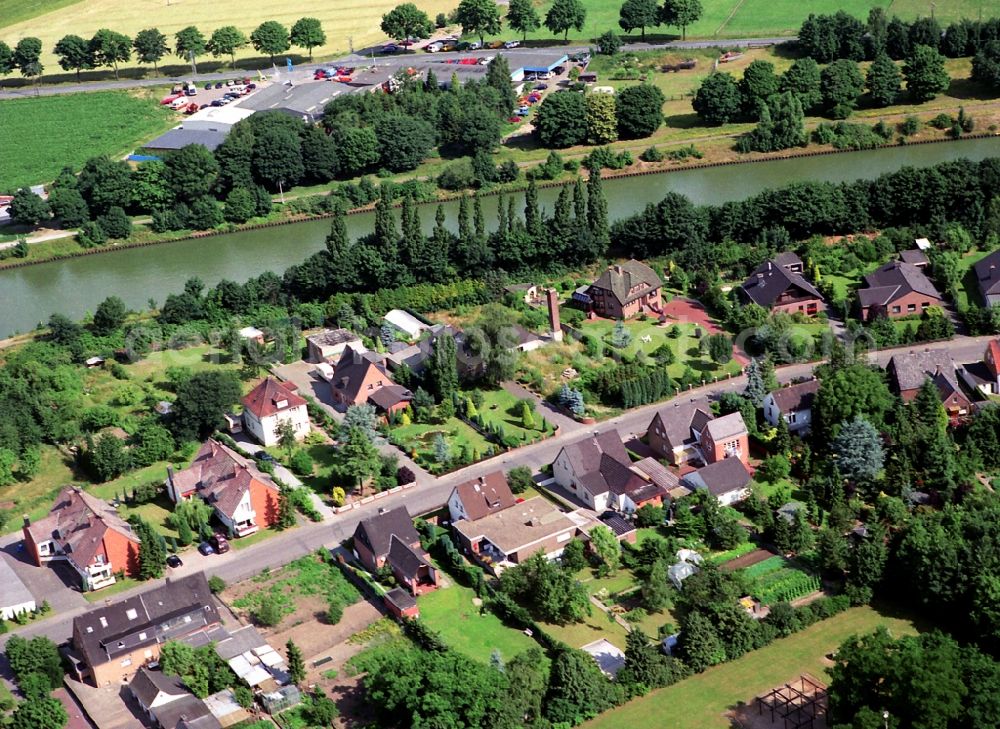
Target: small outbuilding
15	597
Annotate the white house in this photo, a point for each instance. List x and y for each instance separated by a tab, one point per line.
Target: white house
480	497
271	403
15	597
405	322
793	403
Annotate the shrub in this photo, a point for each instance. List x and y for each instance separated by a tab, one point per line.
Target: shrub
653	154
216	584
910	126
941	121
301	463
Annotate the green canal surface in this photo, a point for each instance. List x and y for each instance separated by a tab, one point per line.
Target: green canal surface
75	286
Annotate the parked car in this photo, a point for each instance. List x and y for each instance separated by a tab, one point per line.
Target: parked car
390	48
218	102
219	543
511	44
174	561
179	103
206	549
191	91
191	108
496	44
219	84
524	111
169	99
208	86
559	70
541	87
264	456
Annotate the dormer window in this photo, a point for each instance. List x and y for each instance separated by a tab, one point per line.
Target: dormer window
131	614
104	622
281	404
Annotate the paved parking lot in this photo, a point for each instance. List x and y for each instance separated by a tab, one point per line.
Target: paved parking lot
45	583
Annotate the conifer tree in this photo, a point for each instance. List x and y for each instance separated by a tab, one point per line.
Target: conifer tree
532	217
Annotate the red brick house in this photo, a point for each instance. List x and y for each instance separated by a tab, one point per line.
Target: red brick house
897	289
362	377
688	431
725	437
88	534
622	291
778	285
391	539
244	498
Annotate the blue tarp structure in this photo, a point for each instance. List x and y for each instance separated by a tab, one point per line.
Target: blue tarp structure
143	158
546	69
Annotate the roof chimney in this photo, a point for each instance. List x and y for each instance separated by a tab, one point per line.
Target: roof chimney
555	328
27	520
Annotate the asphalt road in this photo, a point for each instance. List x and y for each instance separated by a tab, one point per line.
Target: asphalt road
305	71
283	548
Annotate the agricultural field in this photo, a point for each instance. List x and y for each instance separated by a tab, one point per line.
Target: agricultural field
346	22
701	702
17	11
41	135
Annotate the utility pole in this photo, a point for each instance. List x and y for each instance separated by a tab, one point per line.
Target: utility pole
194	68
281	191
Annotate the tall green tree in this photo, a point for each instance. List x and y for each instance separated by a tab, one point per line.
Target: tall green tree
109	48
478	17
271	37
190	172
577	688
296	663
407	21
639	110
841	83
201	401
639	14
717	100
561	120
925	74
27	56
74	54
307	33
681	14
189	43
565	15
109	315
883	80
522	17
225	41
443	368
150	47
758	85
803	80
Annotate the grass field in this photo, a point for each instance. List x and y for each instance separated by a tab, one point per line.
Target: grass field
345	21
39	136
450	611
417	439
701	701
17	11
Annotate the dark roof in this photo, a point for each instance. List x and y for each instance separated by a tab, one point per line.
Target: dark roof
621	279
772	279
220	476
171	611
617	524
484	495
179	138
304	99
333	337
376	532
188	712
988	274
401	598
263	400
787	259
524	336
796	397
678	418
147	684
909	370
390	396
893	281
405	558
585	454
915	257
721	477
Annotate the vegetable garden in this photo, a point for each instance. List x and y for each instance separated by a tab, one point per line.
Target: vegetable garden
779	580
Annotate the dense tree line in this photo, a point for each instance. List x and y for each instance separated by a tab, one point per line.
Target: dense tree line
826	38
569	118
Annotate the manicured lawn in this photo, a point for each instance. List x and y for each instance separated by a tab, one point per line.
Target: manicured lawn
37	143
969	290
35	497
595	627
500	407
685	347
700	701
450	611
417	439
16	11
757	18
197	359
255	538
155	512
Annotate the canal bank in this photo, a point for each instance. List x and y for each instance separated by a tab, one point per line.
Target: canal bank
75	286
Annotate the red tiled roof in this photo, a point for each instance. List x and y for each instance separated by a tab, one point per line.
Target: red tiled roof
263	400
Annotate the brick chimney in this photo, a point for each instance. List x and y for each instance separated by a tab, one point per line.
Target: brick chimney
555	329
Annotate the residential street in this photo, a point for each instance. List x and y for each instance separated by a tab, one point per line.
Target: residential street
428	495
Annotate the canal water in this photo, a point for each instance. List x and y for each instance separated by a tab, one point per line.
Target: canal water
74	286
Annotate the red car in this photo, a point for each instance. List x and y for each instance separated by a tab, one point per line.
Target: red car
170	99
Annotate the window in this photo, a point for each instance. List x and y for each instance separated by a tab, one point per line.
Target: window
131	614
792	417
104	622
895	310
911	307
142	636
925	304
